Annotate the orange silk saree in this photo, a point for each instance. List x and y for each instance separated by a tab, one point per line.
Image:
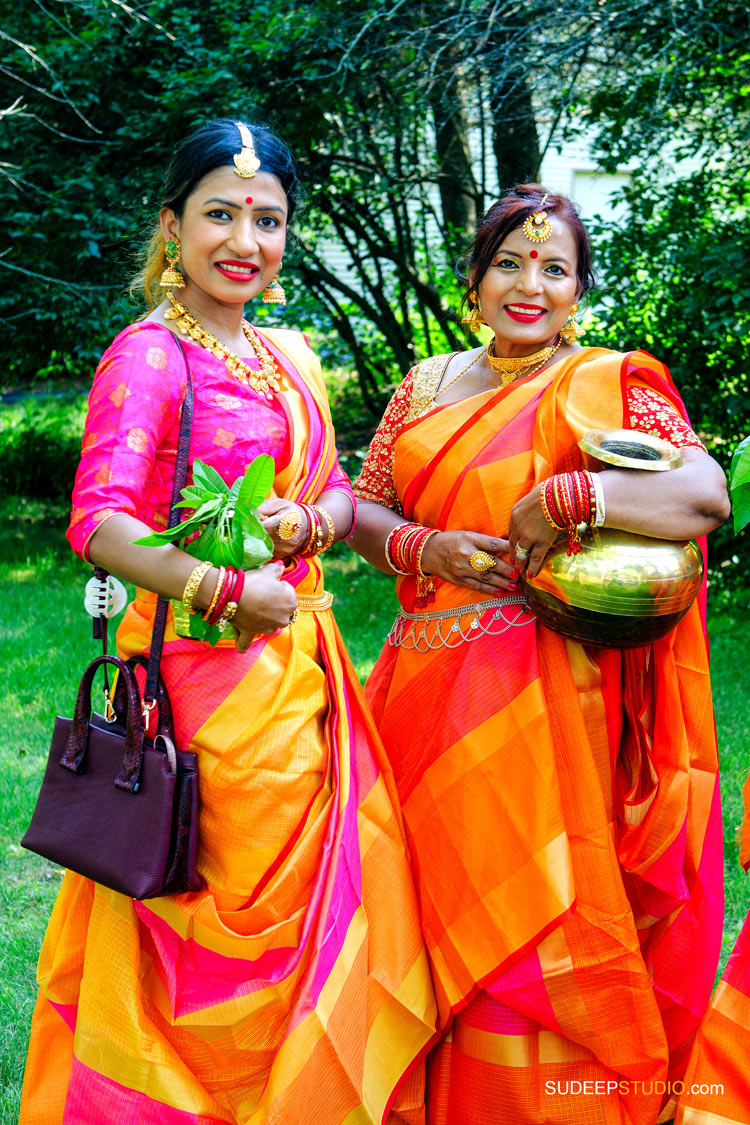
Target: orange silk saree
561	802
717	1081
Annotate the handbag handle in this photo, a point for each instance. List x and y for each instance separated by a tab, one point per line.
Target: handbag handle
74	755
164	723
150	692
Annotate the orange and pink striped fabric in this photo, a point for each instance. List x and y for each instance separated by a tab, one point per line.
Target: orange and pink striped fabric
294	987
561	802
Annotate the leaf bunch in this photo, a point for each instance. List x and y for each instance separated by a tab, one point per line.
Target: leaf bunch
224	528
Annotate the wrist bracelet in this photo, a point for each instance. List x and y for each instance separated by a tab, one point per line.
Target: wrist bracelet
191	586
329	524
234	600
216	594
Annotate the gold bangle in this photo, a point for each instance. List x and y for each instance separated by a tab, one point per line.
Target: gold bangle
422	545
217	591
229	611
191	586
329	524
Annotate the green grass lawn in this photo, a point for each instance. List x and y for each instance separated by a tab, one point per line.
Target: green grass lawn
46	641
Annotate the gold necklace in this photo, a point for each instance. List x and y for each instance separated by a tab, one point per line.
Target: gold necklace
263	381
510	369
455	378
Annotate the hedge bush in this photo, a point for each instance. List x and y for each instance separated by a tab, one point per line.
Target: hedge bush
40	445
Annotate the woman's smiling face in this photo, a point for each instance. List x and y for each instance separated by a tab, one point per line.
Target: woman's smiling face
232	235
526	294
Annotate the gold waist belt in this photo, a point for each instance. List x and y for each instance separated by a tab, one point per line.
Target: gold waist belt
314	602
443	628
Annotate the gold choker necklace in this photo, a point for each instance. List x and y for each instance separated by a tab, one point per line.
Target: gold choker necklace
264	381
510	369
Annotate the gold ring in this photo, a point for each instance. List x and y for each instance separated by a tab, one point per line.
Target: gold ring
480	561
289	525
522	553
294	616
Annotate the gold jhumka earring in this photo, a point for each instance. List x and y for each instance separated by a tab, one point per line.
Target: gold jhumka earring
571	330
474	317
171	277
274	293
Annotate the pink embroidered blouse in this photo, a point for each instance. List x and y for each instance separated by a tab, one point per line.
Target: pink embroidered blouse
130	440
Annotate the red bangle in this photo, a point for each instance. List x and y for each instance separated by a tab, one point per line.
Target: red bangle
234	600
223	597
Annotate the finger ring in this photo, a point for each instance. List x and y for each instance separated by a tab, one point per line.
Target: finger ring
480	561
294	616
289	525
522	553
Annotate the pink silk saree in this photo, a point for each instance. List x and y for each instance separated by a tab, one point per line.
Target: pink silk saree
294	987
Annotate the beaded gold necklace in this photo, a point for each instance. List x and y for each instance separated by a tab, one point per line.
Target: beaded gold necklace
510	369
264	381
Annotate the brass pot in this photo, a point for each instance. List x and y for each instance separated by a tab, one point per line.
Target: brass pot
621	591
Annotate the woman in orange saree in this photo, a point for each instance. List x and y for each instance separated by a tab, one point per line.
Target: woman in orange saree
294	986
561	801
716	1090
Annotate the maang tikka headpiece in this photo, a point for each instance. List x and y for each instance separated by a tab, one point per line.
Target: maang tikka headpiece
537	227
246	163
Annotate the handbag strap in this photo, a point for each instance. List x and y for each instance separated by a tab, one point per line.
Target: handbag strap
180	479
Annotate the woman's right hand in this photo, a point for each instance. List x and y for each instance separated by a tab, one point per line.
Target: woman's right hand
447	555
266	605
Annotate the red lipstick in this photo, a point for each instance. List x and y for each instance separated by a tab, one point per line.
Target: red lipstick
523	313
241	272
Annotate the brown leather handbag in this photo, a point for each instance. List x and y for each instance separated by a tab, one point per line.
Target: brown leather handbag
116	805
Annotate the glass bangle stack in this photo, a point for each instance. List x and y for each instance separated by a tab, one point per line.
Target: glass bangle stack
622	590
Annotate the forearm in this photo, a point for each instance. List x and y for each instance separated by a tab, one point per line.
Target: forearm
341	510
163	570
680	504
374	524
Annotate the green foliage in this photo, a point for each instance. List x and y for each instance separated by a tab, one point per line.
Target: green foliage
676	285
225	525
739	483
40	446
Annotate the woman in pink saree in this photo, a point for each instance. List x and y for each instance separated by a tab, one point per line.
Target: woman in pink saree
294	985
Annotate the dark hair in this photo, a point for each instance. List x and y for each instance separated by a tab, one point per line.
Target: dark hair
511	211
212	146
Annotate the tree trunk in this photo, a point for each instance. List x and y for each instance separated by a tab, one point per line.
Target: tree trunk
515	139
458	188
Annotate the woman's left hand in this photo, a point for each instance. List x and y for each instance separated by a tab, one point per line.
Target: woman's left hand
530	532
272	512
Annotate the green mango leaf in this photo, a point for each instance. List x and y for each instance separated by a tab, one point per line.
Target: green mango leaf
210	508
253	526
207	477
223	549
741	506
157	538
234	491
257	481
255	552
195	493
739	472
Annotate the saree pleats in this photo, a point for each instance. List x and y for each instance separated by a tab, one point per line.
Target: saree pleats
561	802
294	987
717	1080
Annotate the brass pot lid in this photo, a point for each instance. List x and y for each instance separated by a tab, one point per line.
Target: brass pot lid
630	449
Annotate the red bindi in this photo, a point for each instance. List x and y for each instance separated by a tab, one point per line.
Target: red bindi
249	199
533	253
